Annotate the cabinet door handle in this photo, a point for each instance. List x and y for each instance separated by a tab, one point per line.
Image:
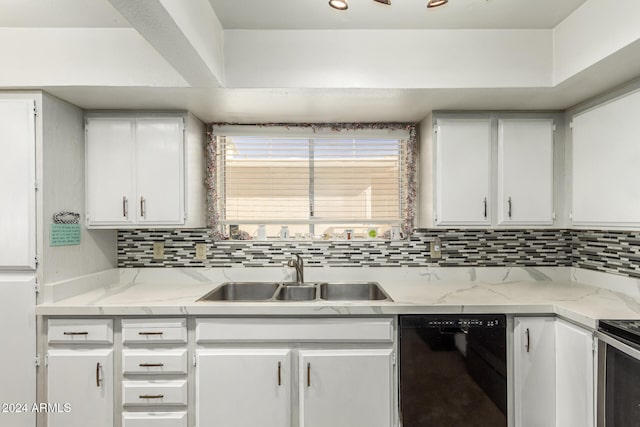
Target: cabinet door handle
485	206
76	333
279	373
143	205
528	344
150	333
151	365
151	396
125	207
98	374
509	208
308	374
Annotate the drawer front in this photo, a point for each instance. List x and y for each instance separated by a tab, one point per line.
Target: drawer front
154	419
299	330
154	393
154	361
138	331
81	331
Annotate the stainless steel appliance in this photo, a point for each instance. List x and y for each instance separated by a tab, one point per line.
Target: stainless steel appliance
618	373
453	370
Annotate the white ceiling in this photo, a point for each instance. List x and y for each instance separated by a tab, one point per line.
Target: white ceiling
302	103
59	14
401	14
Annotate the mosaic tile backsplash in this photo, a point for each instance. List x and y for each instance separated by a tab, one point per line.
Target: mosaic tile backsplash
615	252
459	248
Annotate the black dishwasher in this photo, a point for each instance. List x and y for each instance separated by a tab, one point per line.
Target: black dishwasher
453	370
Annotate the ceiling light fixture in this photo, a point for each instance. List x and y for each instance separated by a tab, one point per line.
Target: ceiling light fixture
339	4
436	3
383	1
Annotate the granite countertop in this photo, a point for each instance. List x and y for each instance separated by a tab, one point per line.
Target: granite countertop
577	295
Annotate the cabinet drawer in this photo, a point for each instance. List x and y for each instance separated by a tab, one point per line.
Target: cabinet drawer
90	331
170	331
299	330
154	361
154	393
154	419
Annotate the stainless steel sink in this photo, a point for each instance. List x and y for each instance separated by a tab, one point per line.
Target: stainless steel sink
355	291
278	291
242	291
297	293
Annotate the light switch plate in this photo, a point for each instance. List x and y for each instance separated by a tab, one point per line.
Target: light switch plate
201	251
158	250
435	249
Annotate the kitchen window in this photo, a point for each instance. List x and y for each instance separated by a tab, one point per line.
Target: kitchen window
320	186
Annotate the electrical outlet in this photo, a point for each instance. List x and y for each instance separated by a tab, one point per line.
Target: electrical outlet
201	251
436	249
158	250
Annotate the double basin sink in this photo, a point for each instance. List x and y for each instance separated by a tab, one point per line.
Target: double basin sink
278	291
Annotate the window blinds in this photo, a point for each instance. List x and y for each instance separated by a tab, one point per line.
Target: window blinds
302	180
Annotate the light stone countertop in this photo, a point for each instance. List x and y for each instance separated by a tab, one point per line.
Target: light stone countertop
519	290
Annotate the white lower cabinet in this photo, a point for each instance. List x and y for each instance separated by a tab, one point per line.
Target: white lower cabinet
534	371
154	419
80	387
243	387
346	388
553	373
574	376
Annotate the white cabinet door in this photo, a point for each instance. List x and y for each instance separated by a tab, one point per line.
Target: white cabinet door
345	388
243	387
574	376
463	180
80	383
606	154
159	171
17	184
109	168
534	372
17	371
525	172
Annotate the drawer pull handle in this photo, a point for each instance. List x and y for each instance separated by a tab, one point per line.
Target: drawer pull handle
279	373
528	344
509	210
484	202
98	374
151	396
125	207
143	205
151	365
308	374
76	333
150	333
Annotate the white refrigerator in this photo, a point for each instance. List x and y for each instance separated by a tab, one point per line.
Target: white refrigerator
18	260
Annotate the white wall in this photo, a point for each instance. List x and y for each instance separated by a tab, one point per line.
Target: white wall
597	29
388	59
196	172
426	177
63	189
81	57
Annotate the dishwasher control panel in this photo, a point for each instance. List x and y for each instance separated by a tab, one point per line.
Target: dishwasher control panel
453	321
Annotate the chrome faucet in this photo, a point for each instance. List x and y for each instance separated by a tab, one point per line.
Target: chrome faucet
299	266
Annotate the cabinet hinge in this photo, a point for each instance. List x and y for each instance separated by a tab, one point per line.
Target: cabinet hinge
393	358
594	344
553	216
571	216
37	287
435	128
571	124
554	126
35	110
36	185
37	360
194	360
46	360
37	260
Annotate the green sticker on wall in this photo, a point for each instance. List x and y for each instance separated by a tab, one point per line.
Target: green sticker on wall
64	234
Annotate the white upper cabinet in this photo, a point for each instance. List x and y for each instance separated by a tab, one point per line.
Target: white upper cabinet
606	155
135	172
17	184
525	171
110	162
463	172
